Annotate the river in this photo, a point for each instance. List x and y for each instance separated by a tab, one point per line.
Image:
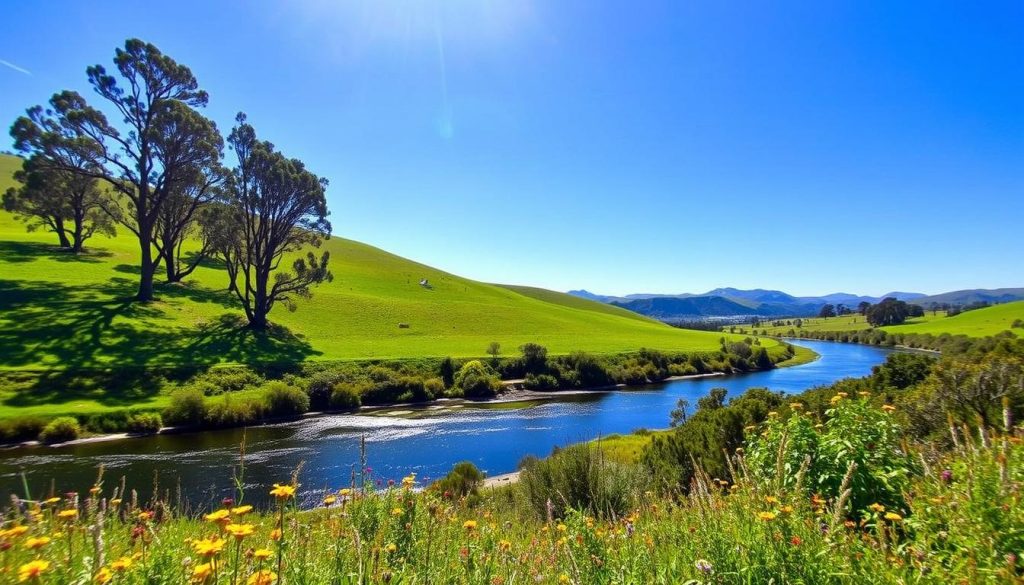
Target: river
425	440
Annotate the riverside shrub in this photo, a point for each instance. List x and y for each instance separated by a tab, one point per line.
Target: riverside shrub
476	380
285	400
61	429
580	478
188	407
144	423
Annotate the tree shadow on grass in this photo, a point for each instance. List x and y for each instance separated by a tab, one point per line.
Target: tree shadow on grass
97	343
20	252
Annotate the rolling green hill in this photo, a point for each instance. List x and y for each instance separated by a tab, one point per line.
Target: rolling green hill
976	323
58	311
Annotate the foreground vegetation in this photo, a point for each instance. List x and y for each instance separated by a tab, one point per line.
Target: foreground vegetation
796	504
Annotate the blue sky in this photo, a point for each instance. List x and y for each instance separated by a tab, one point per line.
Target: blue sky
615	146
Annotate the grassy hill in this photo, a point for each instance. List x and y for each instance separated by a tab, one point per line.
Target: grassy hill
976	323
58	311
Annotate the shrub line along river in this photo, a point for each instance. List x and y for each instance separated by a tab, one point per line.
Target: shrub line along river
426	440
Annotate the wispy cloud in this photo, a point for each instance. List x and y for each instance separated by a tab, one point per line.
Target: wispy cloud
15	67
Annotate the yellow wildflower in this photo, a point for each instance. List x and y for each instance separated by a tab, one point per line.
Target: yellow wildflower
36	542
504	545
275	534
561	527
409	481
469	524
786	509
218	516
115	502
330	500
796	405
391	547
121	564
283	492
208	547
771	499
240	531
262	554
766	516
264	577
67	514
343	492
202	572
33	570
397	512
241	510
888	408
893	517
876	507
563	578
52	501
103	576
15	530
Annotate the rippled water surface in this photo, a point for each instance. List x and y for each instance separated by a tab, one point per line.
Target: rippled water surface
427	440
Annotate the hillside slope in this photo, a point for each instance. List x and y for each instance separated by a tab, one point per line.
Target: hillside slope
975	323
57	310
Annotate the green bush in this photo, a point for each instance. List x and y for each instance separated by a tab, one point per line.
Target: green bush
235	411
188	407
540	382
434	387
857	431
391	388
106	422
320	388
580	478
463	481
144	423
16	430
285	400
60	430
476	380
347	395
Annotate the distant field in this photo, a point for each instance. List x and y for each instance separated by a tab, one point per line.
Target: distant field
844	323
976	323
60	311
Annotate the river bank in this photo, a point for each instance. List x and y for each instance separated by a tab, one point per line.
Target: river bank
512	396
425	439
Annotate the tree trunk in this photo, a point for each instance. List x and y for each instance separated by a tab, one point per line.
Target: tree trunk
258	319
76	244
61	234
146	264
171	268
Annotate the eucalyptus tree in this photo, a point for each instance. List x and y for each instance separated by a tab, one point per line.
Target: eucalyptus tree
160	142
275	209
181	220
65	203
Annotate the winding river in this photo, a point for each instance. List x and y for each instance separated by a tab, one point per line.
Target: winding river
426	440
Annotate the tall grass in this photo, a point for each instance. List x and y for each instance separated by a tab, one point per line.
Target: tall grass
960	520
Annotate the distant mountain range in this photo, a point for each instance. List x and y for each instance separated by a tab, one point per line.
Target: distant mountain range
733	302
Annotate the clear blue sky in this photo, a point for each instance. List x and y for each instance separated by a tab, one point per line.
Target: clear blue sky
615	146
